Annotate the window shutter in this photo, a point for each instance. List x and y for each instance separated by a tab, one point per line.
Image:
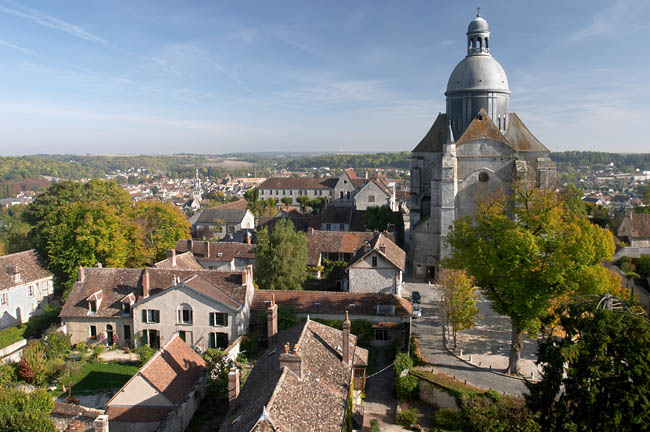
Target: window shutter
144	315
213	319
225	319
144	337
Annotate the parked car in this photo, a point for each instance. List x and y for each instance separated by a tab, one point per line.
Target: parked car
417	311
416	297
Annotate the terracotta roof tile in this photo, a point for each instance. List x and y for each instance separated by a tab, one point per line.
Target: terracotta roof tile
640	225
298	183
218	251
334	241
30	265
184	261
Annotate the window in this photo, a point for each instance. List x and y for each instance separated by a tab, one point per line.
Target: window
277	192
127	332
218	319
184	314
347	195
30	290
371	198
374	261
329	227
218	340
382	334
483	177
4	299
151	338
342	227
126	309
92	306
109	334
150	316
284	192
93	332
341	195
387	310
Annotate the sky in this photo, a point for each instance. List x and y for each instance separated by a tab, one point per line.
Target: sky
169	76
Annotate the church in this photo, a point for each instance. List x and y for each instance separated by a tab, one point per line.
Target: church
476	149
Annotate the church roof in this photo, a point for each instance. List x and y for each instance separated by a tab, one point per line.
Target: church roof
517	137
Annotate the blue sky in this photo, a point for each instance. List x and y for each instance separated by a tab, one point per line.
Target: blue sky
137	77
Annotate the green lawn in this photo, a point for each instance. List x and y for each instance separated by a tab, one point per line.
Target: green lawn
33	328
11	335
100	377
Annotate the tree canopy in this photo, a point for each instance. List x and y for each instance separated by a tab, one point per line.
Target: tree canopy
378	218
281	257
595	371
25	412
528	249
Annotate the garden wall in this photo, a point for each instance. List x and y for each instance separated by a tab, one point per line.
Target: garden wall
433	394
13	352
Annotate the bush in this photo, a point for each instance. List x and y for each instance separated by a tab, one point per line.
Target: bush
57	345
144	352
82	347
406	388
26	412
447	419
374	426
250	344
97	351
490	412
7	374
402	362
407	417
416	353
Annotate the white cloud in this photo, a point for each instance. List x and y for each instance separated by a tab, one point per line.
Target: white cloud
16	47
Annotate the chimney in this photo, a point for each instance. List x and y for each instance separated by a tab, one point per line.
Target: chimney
145	284
382	248
98	265
81	275
101	423
244	276
346	339
233	384
248	238
292	360
190	245
310	230
272	319
171	255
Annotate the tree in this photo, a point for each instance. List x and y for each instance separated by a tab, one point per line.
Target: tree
378	218
217	366
281	257
459	300
595	371
252	195
527	249
158	227
286	201
303	201
25	412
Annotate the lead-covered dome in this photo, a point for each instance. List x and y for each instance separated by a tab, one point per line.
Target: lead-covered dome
478	25
478	72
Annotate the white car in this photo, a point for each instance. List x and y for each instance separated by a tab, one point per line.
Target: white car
417	311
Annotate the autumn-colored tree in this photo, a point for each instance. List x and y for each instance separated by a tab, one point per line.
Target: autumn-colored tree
527	248
459	300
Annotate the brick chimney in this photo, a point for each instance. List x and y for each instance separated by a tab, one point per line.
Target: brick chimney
272	319
145	284
101	423
233	384
292	360
171	255
346	339
248	237
81	275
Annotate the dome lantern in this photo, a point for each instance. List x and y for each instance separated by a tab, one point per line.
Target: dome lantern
478	35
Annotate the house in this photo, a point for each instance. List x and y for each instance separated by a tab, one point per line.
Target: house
377	267
389	314
293	187
375	193
25	287
347	185
207	309
181	261
301	383
217	222
222	256
163	394
635	230
333	245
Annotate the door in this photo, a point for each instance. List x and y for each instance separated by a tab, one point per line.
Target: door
109	334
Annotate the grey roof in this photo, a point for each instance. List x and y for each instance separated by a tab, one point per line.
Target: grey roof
478	73
30	265
478	25
221	215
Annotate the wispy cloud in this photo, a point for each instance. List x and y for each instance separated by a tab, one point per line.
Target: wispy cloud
16	47
610	20
52	22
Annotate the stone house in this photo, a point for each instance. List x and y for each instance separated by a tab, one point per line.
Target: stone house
222	256
375	193
635	230
333	245
346	187
293	187
389	314
301	383
25	287
135	306
377	267
163	395
217	222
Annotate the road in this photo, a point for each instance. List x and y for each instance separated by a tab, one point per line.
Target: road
428	331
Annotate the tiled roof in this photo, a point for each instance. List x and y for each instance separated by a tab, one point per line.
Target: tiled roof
351	174
432	141
228	250
392	252
315	302
184	261
521	138
481	129
639	225
221	215
30	265
339	215
116	283
137	414
334	241
205	287
317	402
298	183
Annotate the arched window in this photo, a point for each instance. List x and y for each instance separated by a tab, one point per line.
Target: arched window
184	314
479	44
109	334
487	46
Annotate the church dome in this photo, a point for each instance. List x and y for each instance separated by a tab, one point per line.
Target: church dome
478	25
478	72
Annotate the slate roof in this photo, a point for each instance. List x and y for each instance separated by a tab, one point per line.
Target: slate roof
334	241
298	183
31	268
392	252
173	371
317	402
184	261
228	250
314	302
114	284
639	225
219	214
518	136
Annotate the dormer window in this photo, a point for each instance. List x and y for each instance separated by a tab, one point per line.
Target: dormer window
92	306
126	308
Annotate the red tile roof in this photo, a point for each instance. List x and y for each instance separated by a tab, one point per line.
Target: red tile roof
228	250
334	241
298	183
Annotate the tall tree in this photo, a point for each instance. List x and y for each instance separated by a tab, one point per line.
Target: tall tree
281	257
595	371
526	249
378	218
459	300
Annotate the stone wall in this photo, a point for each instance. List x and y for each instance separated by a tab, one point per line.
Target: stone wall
14	352
433	394
381	279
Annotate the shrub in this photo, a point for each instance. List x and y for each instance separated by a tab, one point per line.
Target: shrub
97	351
447	419
144	352
26	412
251	345
416	353
407	417
406	388
7	374
25	371
402	363
82	347
490	412
374	426
57	345
217	366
